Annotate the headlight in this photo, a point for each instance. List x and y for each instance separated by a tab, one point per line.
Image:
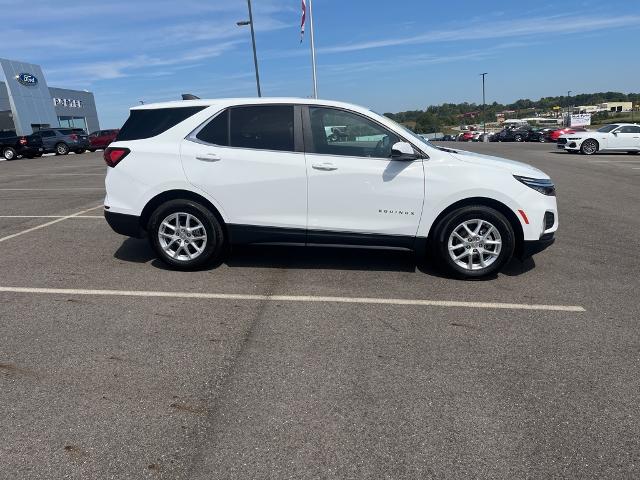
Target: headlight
542	185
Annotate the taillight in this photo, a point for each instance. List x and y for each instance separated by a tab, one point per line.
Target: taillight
113	156
74	137
23	141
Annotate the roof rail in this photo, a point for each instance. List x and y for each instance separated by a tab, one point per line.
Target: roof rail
188	96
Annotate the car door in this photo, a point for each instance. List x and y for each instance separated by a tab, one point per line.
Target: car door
48	139
251	161
357	193
627	137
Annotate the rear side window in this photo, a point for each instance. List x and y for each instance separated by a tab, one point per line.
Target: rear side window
65	132
264	127
216	131
148	123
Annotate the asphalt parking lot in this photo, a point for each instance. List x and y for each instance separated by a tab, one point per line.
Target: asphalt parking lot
316	363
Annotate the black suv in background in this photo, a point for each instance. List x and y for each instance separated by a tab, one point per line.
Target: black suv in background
64	140
13	146
517	134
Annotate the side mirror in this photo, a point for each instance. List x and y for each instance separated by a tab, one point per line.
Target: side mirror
404	152
615	132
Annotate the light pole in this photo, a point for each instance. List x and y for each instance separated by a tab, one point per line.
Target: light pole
568	108
253	42
484	106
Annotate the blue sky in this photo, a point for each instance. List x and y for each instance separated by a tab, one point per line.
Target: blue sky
388	55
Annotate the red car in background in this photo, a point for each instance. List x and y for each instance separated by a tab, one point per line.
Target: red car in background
101	139
555	134
466	137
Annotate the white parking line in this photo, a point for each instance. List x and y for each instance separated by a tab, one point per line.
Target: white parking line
48	189
45	174
50	216
9	237
295	298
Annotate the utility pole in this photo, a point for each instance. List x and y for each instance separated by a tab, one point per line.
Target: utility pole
253	42
484	107
568	108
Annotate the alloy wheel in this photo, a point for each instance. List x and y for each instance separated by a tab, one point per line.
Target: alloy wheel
182	236
474	244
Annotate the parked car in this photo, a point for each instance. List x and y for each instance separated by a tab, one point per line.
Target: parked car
517	134
63	140
448	138
555	134
465	137
540	135
13	145
620	136
486	137
101	139
197	175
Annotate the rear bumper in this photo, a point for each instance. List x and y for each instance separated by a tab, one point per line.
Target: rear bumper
531	247
128	225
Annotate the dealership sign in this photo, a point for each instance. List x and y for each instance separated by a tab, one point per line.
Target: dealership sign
27	79
67	102
580	120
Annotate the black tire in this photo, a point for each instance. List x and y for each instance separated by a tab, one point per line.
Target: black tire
92	150
9	153
62	149
589	147
214	247
518	138
542	140
444	229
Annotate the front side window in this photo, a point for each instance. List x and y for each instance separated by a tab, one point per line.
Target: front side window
263	127
337	132
607	128
46	133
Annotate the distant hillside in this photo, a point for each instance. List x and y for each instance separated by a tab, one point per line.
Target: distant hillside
435	117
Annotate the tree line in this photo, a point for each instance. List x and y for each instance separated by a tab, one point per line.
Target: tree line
435	117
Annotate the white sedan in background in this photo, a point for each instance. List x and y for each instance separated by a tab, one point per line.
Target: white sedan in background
615	137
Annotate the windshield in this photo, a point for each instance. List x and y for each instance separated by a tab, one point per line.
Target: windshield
607	128
413	134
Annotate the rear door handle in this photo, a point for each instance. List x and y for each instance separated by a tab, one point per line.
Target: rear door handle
324	166
208	157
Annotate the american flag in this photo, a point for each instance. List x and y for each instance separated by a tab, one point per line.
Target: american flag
304	17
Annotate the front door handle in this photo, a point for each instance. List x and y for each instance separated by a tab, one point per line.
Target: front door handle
324	166
208	157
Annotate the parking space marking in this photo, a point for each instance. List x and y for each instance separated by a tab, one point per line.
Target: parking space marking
45	174
52	222
48	189
50	216
296	298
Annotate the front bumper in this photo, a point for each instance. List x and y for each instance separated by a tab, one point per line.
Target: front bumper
128	225
531	247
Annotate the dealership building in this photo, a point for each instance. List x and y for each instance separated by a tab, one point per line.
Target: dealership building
27	103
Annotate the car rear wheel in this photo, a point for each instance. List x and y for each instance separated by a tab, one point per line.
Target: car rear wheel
62	149
9	153
185	234
518	138
589	147
542	140
474	241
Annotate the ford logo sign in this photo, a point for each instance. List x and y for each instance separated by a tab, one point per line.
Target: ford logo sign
27	79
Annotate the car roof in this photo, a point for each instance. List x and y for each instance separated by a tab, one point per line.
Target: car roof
225	102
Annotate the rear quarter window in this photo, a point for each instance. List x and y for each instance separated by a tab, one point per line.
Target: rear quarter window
147	123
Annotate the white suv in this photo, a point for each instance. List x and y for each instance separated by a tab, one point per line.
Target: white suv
619	136
197	175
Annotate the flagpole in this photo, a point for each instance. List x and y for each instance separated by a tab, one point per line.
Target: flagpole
313	52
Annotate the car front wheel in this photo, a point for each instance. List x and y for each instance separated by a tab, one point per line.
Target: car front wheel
589	147
474	241
185	234
62	149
